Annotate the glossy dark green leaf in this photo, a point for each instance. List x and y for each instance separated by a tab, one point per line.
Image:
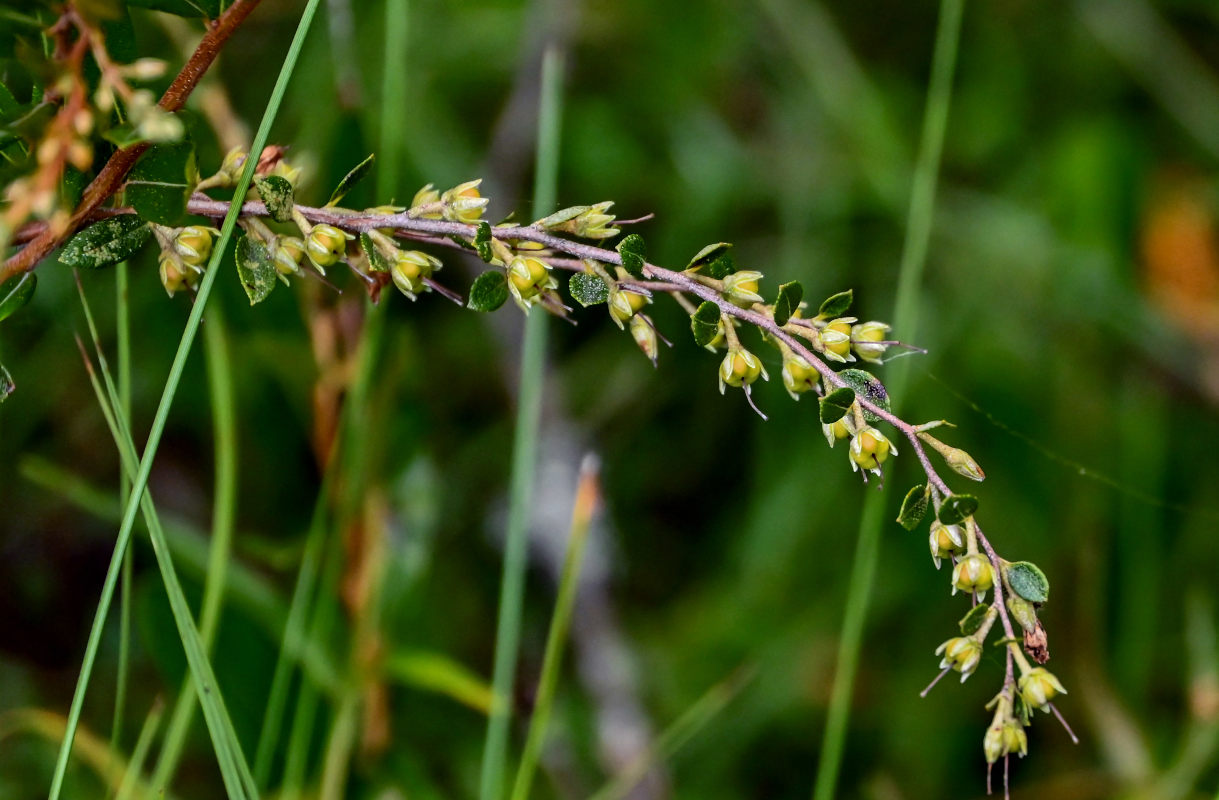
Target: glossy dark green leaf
106	242
971	623
377	260
202	9
835	405
161	182
489	292
255	268
482	241
707	255
956	508
867	387
357	174
914	506
587	289
788	301
276	193
15	293
720	268
634	254
704	323
1028	581
836	304
7	386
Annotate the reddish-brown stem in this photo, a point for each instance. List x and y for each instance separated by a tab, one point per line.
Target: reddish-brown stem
110	178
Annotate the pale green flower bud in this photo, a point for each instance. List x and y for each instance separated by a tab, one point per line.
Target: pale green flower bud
992	743
741	288
866	340
870	449
595	223
740	368
411	268
835	339
963	463
1015	740
973	573
193	244
1038	687
624	304
176	276
1022	611
645	336
962	653
835	431
286	171
799	376
326	246
463	203
946	541
527	275
427	196
289	251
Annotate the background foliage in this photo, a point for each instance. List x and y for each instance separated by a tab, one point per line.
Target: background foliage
1072	295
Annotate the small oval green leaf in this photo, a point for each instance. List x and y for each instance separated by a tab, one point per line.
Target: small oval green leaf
1028	581
971	623
377	260
836	304
869	388
704	323
587	289
489	292
914	506
161	182
255	268
357	174
957	508
482	241
835	405
708	254
276	193
106	242
15	293
788	301
634	254
720	268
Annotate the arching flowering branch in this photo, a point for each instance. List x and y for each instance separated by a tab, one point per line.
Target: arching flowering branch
282	239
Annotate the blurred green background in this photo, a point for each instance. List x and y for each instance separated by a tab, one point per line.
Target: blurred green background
1071	297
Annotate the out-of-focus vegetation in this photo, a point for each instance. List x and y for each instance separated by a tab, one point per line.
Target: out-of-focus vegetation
1070	310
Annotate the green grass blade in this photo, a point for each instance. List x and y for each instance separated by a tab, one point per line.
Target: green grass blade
224	505
524	453
131	778
246	588
560	624
393	98
683	729
293	635
140	482
229	758
122	324
905	320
